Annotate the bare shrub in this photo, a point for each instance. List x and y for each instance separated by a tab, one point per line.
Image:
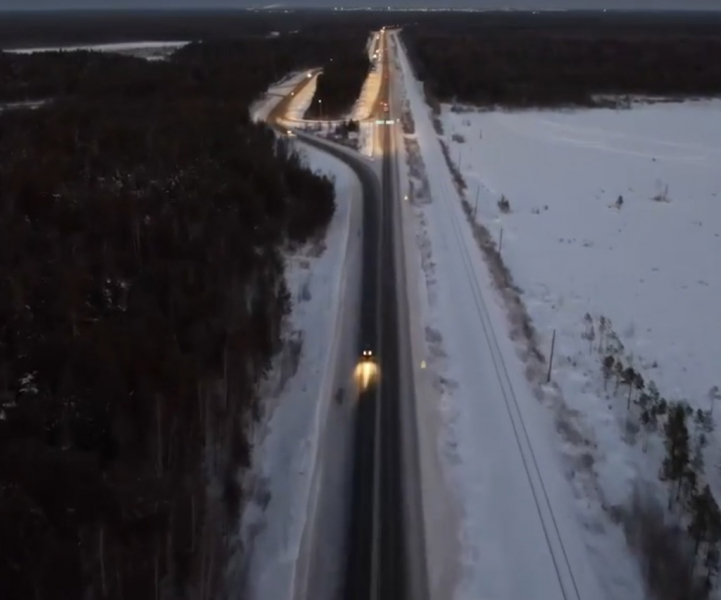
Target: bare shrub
458	180
664	552
407	123
661	192
458	138
504	205
289	359
305	294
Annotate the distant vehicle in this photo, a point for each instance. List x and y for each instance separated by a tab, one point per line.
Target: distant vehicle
289	133
367	352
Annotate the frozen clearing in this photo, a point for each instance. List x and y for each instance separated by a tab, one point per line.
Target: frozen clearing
523	532
147	50
282	484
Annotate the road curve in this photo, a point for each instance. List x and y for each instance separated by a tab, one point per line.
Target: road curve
386	546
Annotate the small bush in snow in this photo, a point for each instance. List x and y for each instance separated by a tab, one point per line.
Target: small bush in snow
504	205
661	192
458	138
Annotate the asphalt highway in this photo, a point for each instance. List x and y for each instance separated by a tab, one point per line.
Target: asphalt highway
380	565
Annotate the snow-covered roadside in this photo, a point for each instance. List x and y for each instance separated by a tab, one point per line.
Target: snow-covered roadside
371	86
361	112
439	506
522	531
299	398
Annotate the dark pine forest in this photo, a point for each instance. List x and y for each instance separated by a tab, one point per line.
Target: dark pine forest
566	59
143	219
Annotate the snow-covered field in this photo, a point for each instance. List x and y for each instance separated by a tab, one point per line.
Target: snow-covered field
527	528
613	214
650	266
147	50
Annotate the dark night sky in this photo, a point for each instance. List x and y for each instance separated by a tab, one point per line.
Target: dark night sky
489	4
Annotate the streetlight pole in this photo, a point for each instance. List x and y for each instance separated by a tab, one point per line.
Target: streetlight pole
475	207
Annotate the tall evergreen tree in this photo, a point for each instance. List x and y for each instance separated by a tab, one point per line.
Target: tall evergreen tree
676	461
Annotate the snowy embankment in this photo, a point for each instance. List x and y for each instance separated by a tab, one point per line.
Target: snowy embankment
261	108
301	101
298	446
147	50
371	86
613	234
651	266
362	110
522	532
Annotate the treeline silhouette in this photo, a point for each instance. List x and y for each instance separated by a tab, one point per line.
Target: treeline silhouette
78	27
571	60
143	218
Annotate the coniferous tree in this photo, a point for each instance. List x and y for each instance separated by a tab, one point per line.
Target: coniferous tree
618	372
676	461
608	364
629	379
589	333
603	325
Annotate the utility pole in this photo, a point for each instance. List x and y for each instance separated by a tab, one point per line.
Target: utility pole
500	242
550	362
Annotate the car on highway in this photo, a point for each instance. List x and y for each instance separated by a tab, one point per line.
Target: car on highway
367	353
